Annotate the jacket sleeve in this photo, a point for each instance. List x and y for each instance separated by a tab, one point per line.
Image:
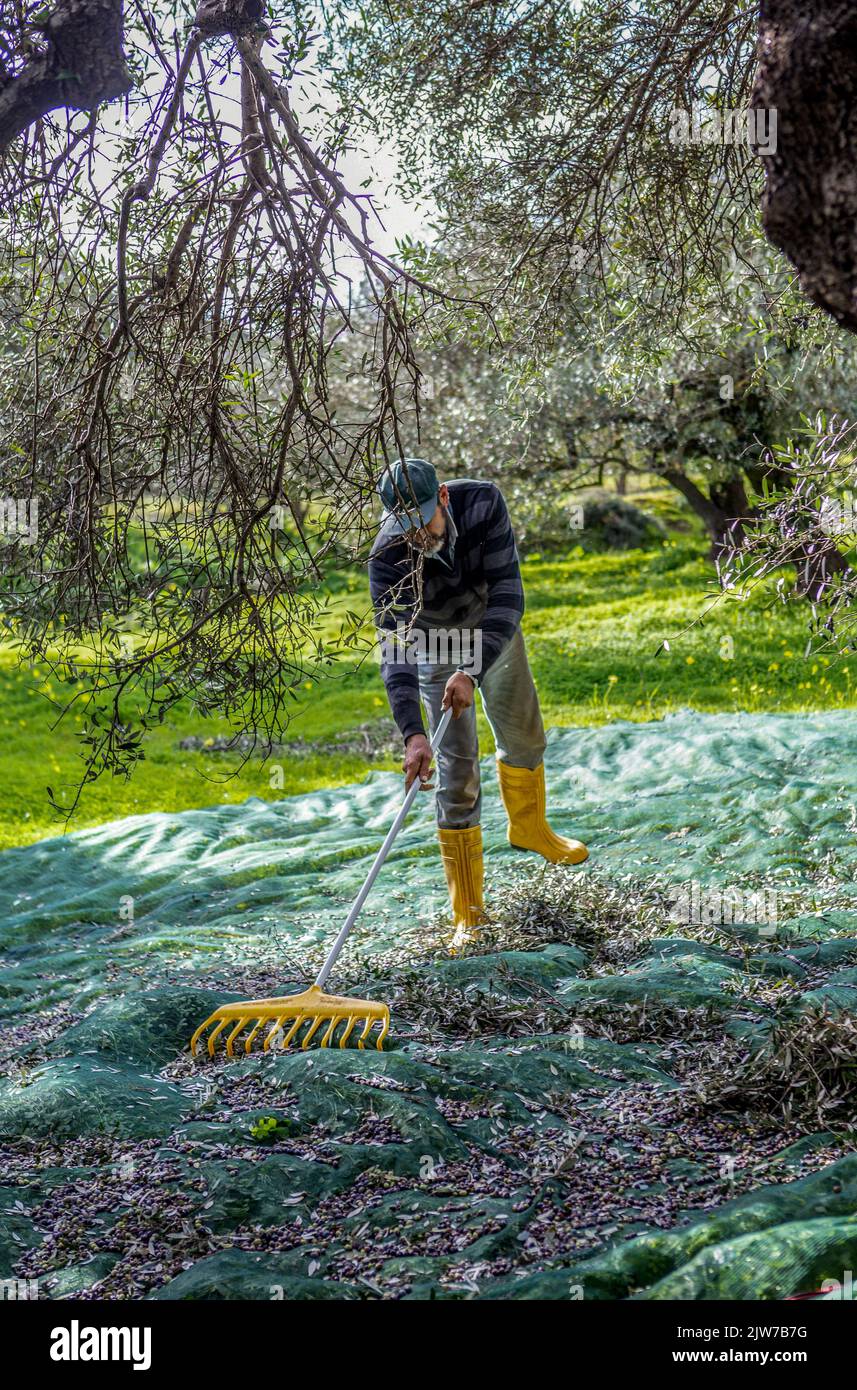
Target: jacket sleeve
392	601
505	598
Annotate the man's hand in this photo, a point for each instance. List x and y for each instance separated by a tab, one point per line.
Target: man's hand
458	694
418	762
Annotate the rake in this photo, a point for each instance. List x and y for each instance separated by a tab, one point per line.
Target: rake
297	1018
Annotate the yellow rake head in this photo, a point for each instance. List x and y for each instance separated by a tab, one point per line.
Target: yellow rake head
296	1019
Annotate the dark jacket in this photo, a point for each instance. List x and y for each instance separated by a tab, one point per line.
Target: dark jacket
474	582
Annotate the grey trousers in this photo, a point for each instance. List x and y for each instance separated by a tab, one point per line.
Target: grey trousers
511	706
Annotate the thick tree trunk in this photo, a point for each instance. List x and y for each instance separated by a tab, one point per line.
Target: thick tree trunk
81	64
816	566
808	75
731	497
724	511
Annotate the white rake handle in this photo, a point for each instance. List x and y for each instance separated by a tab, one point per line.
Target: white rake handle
373	873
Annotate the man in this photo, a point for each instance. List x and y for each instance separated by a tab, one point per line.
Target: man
444	573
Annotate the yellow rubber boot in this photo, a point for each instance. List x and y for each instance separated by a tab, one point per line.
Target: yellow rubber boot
523	793
461	852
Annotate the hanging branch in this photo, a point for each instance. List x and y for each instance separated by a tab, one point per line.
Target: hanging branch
194	473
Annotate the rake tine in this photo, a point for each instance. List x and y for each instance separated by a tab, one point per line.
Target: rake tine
385	1028
234	1034
260	1023
278	1023
199	1032
294	1028
370	1022
329	1032
317	1022
352	1019
215	1035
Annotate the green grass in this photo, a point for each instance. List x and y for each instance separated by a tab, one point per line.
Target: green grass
594	624
595	627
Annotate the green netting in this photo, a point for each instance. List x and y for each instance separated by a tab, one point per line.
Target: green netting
546	1160
238	1274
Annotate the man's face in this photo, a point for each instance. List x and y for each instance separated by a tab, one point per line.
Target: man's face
430	538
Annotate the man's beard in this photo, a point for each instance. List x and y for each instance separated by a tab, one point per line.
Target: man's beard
432	545
429	544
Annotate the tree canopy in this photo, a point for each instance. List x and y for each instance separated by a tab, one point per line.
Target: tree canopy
207	355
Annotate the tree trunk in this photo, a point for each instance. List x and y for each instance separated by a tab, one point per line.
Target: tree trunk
723	512
81	65
807	76
816	565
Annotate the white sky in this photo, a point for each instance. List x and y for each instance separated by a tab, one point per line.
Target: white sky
379	163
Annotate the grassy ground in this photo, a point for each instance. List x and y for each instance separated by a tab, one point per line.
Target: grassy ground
594	624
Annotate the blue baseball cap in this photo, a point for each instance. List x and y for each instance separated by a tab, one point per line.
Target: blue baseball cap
409	491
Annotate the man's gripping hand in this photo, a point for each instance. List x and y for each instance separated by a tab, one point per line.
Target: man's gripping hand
458	696
458	693
418	762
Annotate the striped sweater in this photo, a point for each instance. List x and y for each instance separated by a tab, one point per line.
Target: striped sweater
474	582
